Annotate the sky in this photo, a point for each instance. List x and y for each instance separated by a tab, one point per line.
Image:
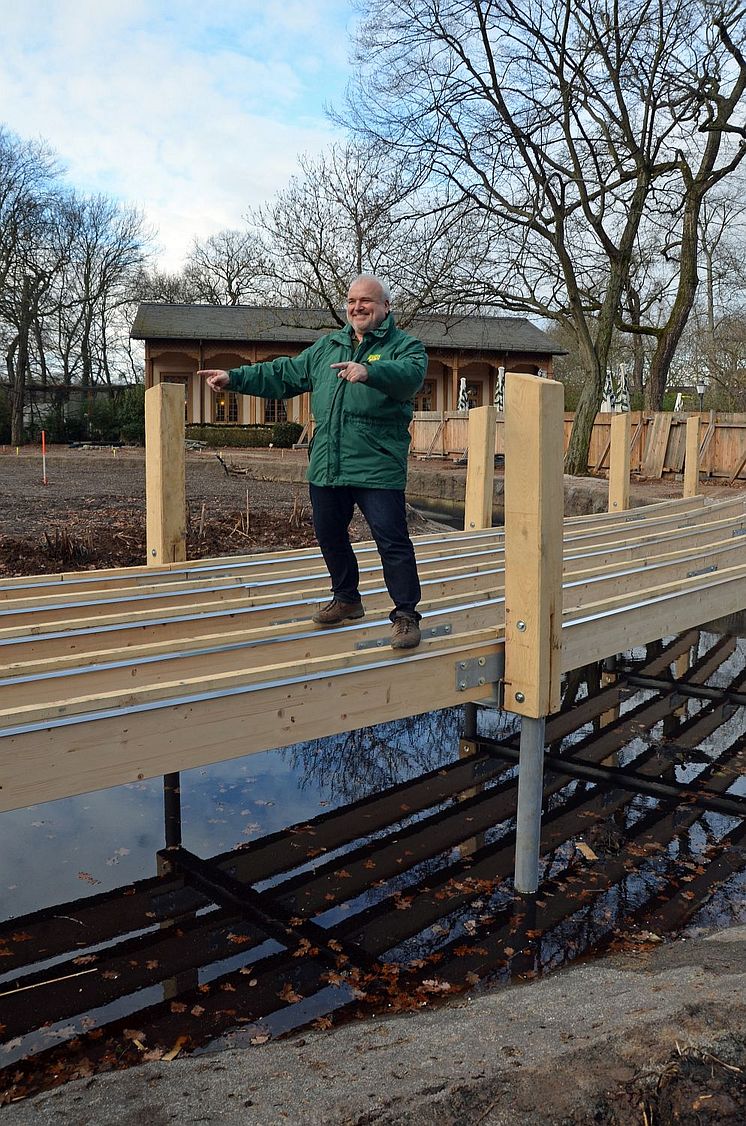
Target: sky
192	112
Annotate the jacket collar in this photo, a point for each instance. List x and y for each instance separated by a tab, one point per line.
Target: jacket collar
347	334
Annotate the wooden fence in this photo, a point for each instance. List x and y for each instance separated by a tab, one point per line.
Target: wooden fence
658	441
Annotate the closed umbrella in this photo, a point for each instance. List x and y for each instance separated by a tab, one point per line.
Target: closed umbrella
463	398
623	389
500	390
609	399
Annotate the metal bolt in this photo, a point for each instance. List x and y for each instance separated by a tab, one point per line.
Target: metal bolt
520	698
481	661
446	629
462	664
462	686
480	682
520	625
154	552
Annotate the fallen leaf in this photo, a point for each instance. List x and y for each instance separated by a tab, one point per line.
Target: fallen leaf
259	1039
287	993
173	1052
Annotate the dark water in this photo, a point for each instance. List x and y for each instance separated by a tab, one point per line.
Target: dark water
399	899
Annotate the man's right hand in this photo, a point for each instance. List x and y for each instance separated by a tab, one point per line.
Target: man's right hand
216	378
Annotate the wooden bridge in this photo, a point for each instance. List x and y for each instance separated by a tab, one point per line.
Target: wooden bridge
107	677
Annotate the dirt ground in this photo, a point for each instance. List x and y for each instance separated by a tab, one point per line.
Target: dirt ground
92	511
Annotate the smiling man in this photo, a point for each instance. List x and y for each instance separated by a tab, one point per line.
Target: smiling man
362	380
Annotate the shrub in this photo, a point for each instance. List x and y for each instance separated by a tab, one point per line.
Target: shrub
4	416
234	436
285	434
132	415
103	420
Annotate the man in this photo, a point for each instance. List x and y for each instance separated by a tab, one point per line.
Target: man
362	378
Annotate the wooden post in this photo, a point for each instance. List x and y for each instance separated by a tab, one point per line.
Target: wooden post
533	590
480	468
165	487
619	462
691	457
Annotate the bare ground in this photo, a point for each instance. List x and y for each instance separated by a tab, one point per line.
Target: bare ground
92	511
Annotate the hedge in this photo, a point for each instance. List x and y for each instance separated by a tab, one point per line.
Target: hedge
281	435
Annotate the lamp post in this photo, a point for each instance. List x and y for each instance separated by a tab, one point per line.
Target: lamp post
701	393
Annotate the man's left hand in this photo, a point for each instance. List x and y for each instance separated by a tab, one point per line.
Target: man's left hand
352	372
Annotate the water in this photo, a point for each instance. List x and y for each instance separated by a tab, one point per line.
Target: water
393	893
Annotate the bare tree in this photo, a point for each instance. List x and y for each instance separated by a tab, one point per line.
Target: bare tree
357	209
571	127
226	269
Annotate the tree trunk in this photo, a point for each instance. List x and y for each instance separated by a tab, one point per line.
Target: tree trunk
18	383
671	333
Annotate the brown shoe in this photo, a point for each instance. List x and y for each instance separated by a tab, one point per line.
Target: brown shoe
405	632
336	612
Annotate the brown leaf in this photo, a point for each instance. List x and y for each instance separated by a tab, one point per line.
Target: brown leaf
178	1007
433	985
322	1023
197	1010
369	863
178	1045
287	993
238	938
259	1039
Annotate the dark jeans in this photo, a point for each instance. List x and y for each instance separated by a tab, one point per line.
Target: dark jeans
386	515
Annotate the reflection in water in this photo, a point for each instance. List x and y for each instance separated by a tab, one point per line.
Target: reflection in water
371	871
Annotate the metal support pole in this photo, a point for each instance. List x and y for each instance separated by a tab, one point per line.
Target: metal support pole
469	730
530	793
172	809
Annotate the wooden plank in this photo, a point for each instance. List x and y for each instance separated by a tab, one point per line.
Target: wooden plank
165	474
620	462
691	457
480	469
55	762
618	628
533	544
655	454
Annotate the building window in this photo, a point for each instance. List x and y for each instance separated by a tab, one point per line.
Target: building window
226	407
184	381
275	410
424	400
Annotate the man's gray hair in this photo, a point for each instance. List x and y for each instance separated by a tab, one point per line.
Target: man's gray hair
379	282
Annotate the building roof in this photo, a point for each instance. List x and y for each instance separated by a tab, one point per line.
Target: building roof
244	323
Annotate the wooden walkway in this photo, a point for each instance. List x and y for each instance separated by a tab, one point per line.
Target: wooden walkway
108	677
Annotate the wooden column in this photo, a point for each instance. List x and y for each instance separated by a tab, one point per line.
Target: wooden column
619	461
165	487
480	468
691	457
534	503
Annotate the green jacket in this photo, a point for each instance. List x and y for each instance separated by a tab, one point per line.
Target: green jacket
362	429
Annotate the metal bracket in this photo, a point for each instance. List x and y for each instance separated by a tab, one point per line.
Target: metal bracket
427	631
474	672
702	571
738	532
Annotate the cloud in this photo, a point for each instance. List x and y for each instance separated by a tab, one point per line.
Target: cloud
191	114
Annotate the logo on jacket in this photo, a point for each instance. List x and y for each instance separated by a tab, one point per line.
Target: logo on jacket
372	358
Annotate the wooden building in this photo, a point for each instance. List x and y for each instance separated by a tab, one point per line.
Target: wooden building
181	339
